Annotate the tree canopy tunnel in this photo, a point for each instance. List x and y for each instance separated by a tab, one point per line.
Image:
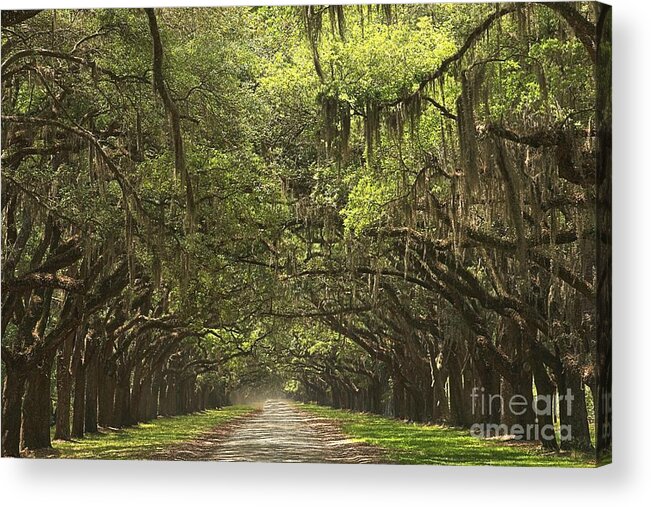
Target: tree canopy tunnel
381	208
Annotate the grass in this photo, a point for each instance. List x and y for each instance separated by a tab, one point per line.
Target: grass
143	440
419	444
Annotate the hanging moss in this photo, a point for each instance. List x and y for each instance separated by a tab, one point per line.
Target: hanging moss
371	128
129	241
513	190
388	13
337	20
313	20
344	138
469	149
157	270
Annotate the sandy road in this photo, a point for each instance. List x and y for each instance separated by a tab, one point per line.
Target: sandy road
278	433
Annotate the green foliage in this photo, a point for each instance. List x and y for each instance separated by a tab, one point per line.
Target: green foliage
368	200
383	61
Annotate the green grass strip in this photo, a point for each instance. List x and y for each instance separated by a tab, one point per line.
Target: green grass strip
420	444
141	441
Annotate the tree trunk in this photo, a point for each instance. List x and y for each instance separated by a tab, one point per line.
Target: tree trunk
144	400
37	408
398	399
574	414
441	405
12	400
458	404
92	377
487	408
545	406
106	396
137	392
64	390
79	376
153	406
517	391
122	407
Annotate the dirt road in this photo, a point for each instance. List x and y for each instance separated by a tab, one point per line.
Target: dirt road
280	432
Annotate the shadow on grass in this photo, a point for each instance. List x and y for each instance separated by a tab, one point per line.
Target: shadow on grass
411	443
143	440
